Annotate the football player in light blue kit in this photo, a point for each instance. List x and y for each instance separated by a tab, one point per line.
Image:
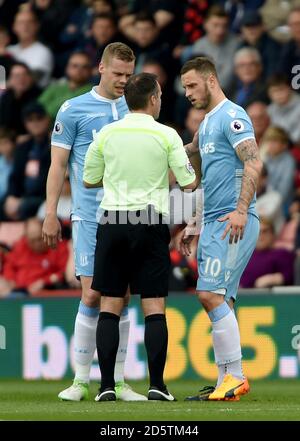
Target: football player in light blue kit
77	121
230	168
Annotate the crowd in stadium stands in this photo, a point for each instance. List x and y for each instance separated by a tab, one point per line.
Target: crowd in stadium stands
50	51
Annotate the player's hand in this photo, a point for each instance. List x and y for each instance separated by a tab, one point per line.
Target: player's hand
236	222
184	241
51	232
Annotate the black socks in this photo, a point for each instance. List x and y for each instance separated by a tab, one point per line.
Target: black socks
107	339
156	342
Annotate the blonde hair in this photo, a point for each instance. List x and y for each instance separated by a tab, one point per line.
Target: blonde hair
276	134
117	50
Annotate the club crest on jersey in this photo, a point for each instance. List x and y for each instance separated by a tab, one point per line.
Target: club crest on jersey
237	125
58	128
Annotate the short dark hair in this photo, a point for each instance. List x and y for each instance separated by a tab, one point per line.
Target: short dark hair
81	53
21	64
216	11
6	133
139	89
145	16
105	16
203	65
278	80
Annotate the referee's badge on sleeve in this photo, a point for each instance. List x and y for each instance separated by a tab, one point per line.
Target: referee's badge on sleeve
58	128
189	167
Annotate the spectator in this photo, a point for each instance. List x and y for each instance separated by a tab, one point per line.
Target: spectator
258	113
148	43
78	26
8	10
7	147
297	245
168	16
52	16
254	35
269	202
27	184
192	123
290	55
29	50
284	109
3	252
32	265
218	43
268	267
275	15
249	86
279	163
104	30
167	105
238	9
78	74
6	59
21	90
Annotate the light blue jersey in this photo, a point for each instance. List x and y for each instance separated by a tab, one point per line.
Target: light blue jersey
76	123
221	264
222	129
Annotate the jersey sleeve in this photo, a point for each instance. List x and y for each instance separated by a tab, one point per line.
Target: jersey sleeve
179	162
64	129
94	161
238	128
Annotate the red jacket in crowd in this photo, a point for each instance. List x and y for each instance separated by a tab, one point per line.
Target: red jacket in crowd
24	266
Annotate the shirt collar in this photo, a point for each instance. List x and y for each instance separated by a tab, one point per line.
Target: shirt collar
102	98
215	109
138	115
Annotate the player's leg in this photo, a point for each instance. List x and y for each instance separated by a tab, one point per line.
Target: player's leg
150	264
111	278
234	383
107	344
84	243
84	234
156	343
124	392
214	272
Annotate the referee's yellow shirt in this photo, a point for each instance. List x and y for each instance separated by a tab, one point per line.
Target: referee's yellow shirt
132	157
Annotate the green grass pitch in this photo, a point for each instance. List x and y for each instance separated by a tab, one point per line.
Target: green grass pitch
37	400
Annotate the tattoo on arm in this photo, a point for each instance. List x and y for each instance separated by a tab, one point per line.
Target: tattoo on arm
248	153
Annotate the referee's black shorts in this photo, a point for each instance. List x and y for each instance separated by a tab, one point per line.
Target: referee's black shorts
134	255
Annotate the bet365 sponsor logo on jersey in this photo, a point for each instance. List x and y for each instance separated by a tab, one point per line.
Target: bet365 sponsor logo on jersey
209	147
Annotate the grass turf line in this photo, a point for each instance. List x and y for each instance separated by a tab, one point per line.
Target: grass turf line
37	401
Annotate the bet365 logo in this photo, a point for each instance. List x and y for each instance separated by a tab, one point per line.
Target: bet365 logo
2	337
296	339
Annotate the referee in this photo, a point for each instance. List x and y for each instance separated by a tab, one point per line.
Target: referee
132	157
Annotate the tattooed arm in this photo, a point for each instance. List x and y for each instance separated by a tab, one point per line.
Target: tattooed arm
248	153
